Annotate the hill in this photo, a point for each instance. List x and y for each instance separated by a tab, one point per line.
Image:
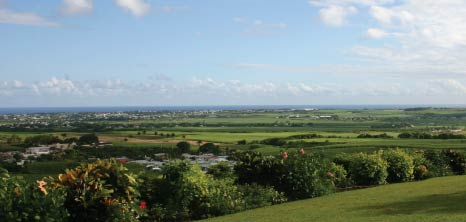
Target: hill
438	199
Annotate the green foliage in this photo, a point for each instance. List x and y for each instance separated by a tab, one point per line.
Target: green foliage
339	176
437	164
420	166
100	191
88	139
209	148
368	169
298	176
306	176
256	196
456	161
253	167
400	165
222	170
187	193
41	140
24	202
14	140
183	147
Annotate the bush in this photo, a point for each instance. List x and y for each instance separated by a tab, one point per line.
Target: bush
256	196
400	165
88	139
100	191
340	176
209	148
24	202
221	170
253	167
456	161
306	176
438	165
368	169
183	147
187	193
421	170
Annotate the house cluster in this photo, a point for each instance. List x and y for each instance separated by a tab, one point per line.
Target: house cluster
203	160
33	152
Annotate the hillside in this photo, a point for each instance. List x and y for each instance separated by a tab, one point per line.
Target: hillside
438	199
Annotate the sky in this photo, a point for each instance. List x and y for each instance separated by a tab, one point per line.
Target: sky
231	52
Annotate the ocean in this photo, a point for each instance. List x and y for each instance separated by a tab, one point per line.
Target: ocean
31	110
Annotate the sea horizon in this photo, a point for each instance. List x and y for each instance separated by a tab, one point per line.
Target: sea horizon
99	109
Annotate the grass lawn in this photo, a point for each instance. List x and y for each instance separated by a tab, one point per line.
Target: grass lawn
438	199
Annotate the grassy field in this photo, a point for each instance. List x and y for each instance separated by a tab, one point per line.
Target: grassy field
438	199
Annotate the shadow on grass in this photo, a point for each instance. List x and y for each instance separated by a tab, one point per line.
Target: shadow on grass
435	203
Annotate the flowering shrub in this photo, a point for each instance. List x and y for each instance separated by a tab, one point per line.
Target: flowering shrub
339	176
24	202
100	191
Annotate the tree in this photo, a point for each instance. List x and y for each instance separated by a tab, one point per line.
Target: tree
14	140
209	148
183	147
88	139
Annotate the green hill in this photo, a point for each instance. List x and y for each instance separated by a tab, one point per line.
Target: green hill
438	199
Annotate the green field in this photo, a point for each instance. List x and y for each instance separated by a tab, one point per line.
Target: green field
438	199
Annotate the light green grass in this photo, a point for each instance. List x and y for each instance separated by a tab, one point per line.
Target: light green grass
438	199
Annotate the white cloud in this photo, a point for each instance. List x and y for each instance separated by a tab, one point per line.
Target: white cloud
335	15
71	7
136	7
376	33
381	14
24	18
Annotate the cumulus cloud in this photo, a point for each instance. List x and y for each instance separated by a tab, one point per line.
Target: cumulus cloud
24	18
71	7
136	7
376	33
335	15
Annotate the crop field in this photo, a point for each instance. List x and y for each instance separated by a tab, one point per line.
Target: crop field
335	130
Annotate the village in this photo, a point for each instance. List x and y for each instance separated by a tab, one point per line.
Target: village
154	162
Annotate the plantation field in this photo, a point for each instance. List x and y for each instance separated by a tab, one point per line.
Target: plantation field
439	199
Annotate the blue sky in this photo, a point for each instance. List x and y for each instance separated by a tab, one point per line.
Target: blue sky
211	52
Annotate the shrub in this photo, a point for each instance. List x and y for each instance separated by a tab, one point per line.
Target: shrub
421	170
88	139
256	196
183	147
221	170
187	193
100	191
306	176
368	169
253	167
456	161
340	176
209	148
438	165
24	202
400	165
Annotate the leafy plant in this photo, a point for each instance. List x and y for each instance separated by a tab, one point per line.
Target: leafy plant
400	165
25	202
100	191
